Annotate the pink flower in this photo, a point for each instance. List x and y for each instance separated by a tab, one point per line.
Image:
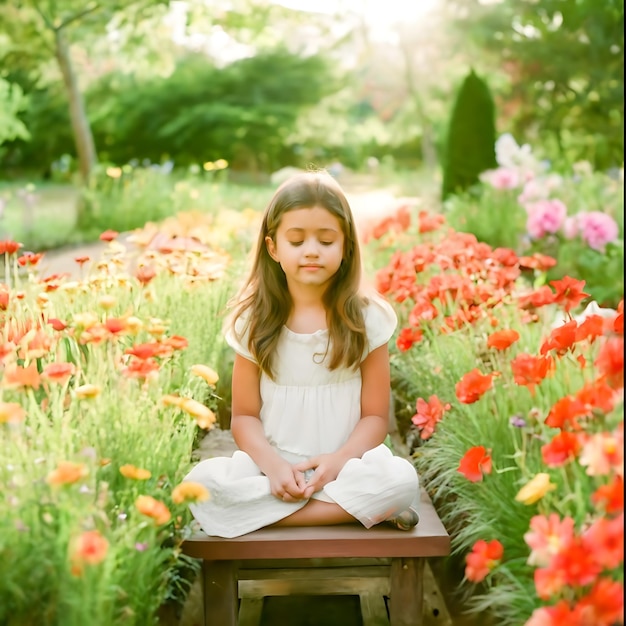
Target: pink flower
547	535
597	229
502	178
545	216
570	228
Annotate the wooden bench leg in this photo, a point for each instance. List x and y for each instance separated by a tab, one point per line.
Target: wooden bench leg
220	593
373	609
406	602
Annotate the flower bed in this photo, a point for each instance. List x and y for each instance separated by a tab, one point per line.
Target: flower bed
514	403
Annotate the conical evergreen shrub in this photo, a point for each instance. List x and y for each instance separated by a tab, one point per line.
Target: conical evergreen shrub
471	139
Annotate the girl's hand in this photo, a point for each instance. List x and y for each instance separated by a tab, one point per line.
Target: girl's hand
287	483
326	466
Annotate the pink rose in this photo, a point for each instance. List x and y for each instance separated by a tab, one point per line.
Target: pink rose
597	229
545	216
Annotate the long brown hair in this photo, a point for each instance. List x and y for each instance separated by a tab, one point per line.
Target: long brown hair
264	301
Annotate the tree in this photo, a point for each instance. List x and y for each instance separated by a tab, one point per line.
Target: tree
470	147
565	62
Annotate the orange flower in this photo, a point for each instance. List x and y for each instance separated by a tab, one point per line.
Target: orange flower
89	548
202	414
155	509
482	559
611	495
176	342
58	372
16	376
473	385
136	473
189	491
148	350
502	339
11	412
67	473
475	463
205	372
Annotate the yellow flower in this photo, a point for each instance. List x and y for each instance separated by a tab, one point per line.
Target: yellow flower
172	400
107	301
202	414
205	372
535	489
87	392
67	473
136	473
150	507
189	492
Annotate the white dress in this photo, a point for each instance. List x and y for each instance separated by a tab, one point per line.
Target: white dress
307	410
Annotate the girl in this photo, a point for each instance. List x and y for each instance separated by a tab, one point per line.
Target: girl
311	381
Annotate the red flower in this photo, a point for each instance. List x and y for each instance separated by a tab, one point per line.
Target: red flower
610	361
537	261
568	292
472	386
475	463
535	299
590	328
610	496
502	339
9	247
597	395
561	339
109	235
145	274
529	370
407	337
424	310
563	448
428	415
57	324
482	559
565	411
604	604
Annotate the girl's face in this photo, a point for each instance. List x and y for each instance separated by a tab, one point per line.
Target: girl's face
308	245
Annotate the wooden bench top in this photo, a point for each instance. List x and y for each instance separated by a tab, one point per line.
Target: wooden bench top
428	539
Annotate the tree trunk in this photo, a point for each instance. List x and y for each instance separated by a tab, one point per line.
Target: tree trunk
83	137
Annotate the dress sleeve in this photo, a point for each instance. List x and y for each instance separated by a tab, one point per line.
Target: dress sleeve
237	338
380	322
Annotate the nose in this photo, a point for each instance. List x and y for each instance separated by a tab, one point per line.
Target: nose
311	248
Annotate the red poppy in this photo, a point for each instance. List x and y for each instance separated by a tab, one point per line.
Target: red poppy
611	495
4	299
563	448
502	339
537	261
610	361
475	462
597	395
407	337
57	324
473	385
428	415
565	411
590	328
109	235
145	274
176	342
569	292
430	221
529	370
561	339
538	298
81	260
9	247
423	310
482	559
148	350
604	604
29	258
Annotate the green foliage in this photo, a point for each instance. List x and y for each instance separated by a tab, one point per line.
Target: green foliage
494	216
471	136
565	62
12	102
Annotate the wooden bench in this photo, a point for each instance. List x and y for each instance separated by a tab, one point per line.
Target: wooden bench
347	559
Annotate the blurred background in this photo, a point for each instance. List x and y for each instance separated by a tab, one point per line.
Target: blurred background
113	113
